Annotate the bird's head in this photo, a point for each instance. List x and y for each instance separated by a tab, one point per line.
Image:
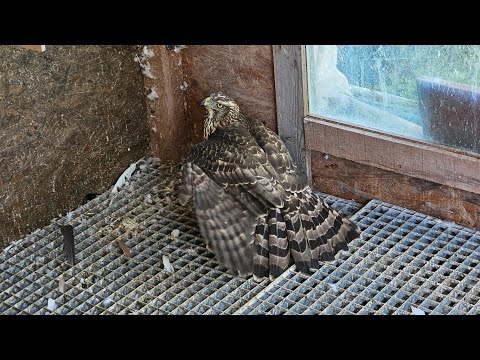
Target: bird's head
221	111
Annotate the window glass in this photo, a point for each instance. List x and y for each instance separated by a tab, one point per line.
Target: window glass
426	92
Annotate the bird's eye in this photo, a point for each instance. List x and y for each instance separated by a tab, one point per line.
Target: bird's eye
219	106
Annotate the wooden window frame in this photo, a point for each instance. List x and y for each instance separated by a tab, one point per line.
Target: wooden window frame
303	132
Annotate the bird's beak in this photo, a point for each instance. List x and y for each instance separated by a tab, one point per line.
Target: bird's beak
206	102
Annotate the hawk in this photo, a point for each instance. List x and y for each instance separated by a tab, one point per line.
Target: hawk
254	209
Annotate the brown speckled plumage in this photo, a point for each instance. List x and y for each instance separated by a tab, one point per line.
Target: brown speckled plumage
254	209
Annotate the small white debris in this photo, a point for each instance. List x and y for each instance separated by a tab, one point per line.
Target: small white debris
191	251
51	305
82	281
61	284
257	279
326	156
153	95
334	287
143	167
177	48
175	233
142	60
148	199
147	52
69	216
107	301
446	223
416	311
124	177
184	86
166	264
147	70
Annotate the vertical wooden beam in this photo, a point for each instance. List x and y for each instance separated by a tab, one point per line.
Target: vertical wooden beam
289	65
169	135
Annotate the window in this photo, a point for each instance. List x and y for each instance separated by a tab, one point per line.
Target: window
429	93
414	110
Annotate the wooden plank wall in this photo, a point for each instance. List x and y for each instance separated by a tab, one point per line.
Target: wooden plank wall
73	118
243	72
188	74
360	182
429	162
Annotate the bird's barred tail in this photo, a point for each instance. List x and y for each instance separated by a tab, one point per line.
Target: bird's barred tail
313	233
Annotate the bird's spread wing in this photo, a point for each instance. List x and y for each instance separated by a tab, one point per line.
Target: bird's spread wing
244	182
225	224
233	183
234	161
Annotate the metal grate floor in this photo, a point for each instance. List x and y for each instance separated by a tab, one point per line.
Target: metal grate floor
404	260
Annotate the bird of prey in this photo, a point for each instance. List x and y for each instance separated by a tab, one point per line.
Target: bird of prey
254	209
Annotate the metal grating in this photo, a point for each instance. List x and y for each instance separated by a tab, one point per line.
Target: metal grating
143	215
404	260
343	206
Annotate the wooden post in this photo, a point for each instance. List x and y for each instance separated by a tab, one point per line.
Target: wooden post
169	135
289	64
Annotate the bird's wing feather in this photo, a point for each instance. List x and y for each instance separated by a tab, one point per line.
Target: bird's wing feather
226	225
278	156
233	159
232	183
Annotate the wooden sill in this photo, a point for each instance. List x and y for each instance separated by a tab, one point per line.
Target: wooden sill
449	166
